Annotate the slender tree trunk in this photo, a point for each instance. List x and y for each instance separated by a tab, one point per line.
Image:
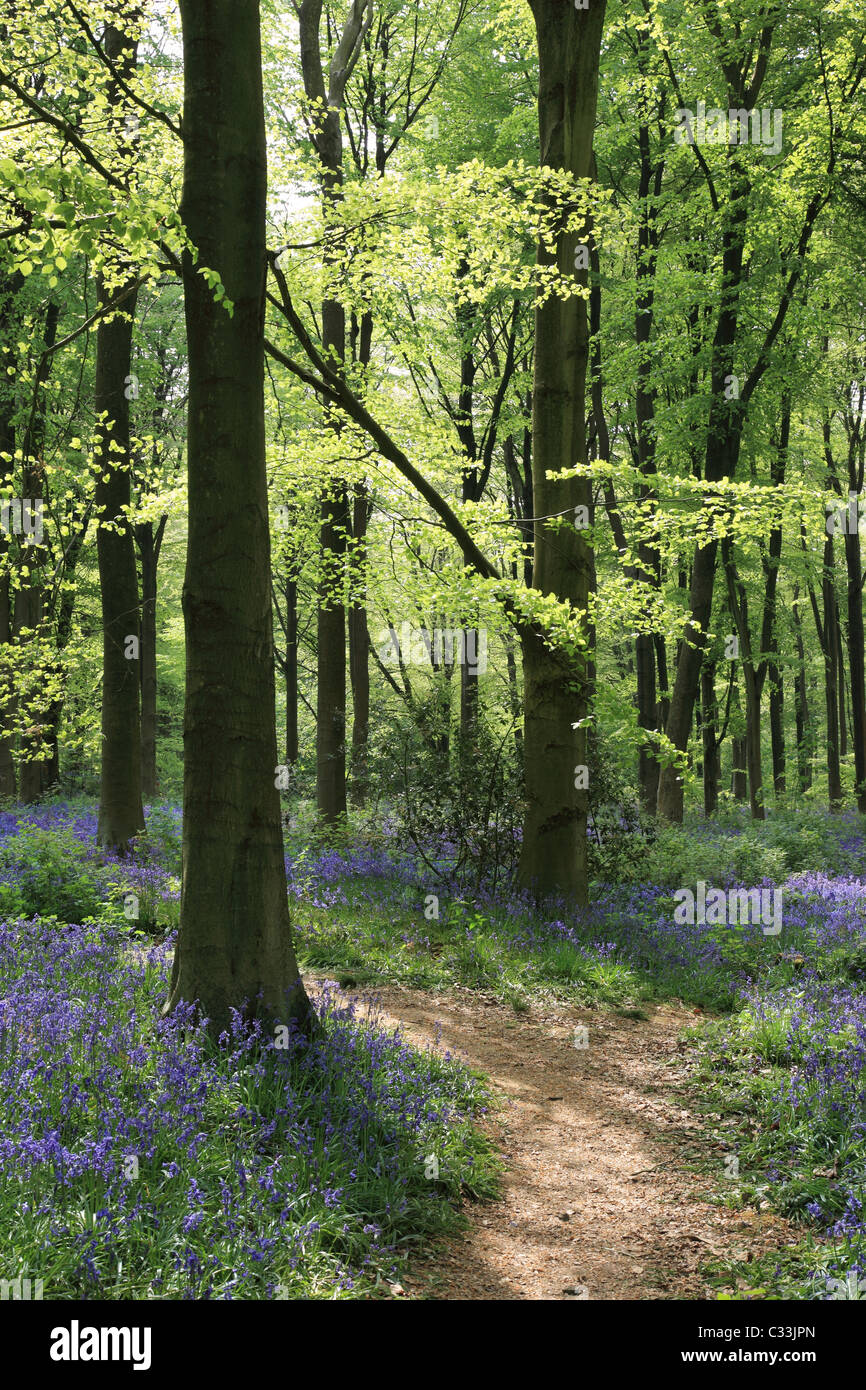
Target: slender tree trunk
121	815
722	452
359	647
777	728
688	670
710	739
856	662
842	685
769	633
557	685
645	397
831	678
753	743
801	703
853	561
647	714
9	286
29	601
752	679
331	658
149	545
63	633
514	695
739	775
327	91
120	808
8	786
235	946
290	593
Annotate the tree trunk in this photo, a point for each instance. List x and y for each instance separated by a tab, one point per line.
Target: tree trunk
557	685
739	778
63	633
689	662
514	695
331	659
149	545
121	815
840	682
831	678
647	713
856	662
235	947
724	432
801	703
709	730
777	728
291	670
8	786
327	92
29	601
359	647
120	809
753	679
9	286
753	742
649	557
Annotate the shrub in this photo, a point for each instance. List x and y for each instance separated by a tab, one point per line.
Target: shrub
50	872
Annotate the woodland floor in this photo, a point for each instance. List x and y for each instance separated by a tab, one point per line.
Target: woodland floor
600	1197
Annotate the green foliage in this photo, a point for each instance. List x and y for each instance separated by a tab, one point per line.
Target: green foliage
619	834
50	872
733	849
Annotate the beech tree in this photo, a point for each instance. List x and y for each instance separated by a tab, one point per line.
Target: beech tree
120	810
557	686
235	943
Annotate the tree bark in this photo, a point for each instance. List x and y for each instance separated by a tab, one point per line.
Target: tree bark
802	715
9	286
149	546
335	514
359	647
649	556
753	679
710	737
856	640
63	633
777	728
29	600
120	807
331	658
290	593
235	947
557	685
831	677
121	815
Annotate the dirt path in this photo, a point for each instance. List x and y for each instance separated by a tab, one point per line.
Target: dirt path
598	1194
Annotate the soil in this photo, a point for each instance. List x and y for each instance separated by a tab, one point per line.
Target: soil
600	1197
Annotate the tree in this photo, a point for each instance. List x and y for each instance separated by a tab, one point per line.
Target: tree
235	944
121	815
557	684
